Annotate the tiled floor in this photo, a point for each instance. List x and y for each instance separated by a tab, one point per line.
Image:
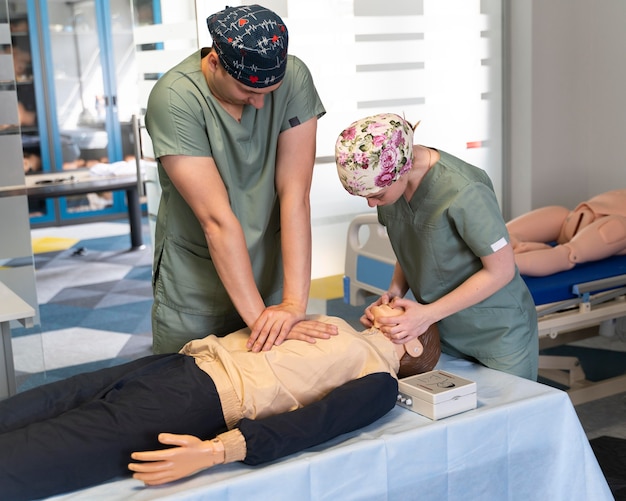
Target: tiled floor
95	299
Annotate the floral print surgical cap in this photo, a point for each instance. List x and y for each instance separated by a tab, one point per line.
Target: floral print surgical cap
373	152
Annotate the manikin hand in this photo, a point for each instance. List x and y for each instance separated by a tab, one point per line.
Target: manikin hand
191	456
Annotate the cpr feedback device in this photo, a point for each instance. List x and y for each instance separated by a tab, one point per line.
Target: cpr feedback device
436	394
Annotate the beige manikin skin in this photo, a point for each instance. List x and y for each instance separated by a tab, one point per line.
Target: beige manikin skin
594	230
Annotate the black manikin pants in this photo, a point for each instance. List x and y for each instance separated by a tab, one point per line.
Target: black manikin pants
81	431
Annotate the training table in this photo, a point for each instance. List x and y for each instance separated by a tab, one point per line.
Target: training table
523	441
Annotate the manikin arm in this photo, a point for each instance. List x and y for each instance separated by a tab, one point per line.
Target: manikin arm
603	238
536	228
347	408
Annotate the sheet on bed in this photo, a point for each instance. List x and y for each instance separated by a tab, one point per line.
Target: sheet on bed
523	441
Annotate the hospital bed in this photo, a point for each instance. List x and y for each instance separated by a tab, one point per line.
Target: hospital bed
571	305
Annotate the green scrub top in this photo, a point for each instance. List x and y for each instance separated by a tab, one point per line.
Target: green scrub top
451	221
183	118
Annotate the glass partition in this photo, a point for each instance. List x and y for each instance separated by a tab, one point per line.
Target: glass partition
17	270
95	81
77	91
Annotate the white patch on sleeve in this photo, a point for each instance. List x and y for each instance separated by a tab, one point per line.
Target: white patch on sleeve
495	247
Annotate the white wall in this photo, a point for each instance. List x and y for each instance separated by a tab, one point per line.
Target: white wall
568	103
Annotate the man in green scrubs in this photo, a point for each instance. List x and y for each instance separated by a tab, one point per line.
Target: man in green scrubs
233	129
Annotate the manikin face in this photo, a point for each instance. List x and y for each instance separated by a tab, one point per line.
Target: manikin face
385	310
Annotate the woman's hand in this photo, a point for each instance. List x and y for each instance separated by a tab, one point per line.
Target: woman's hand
367	319
412	323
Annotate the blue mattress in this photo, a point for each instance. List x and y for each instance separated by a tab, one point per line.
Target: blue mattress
544	290
558	287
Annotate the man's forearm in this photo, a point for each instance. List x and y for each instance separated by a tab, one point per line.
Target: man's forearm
232	262
296	248
294	173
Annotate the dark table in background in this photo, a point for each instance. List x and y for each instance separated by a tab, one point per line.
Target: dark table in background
42	186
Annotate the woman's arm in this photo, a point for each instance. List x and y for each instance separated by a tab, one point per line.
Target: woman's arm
497	271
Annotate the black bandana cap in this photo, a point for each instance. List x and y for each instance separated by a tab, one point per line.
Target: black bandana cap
251	43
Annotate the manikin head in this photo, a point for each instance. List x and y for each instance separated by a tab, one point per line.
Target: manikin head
421	354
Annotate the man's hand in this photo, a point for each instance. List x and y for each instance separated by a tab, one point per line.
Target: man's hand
285	321
310	330
191	456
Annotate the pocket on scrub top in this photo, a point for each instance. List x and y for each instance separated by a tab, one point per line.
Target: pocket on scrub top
186	279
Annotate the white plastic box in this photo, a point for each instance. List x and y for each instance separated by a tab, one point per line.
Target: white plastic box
437	394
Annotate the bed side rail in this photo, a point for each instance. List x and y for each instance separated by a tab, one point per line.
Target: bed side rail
596	301
369	259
